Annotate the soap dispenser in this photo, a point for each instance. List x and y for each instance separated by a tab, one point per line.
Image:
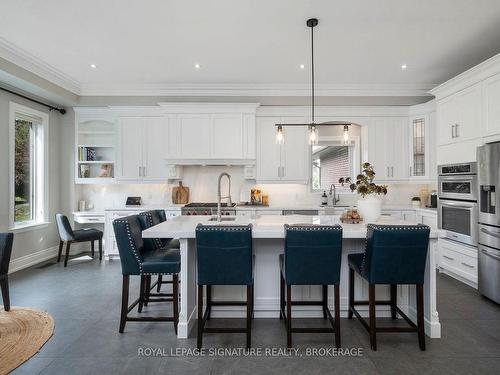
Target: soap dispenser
324	199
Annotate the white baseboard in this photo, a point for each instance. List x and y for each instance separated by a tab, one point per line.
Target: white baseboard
39	257
32	259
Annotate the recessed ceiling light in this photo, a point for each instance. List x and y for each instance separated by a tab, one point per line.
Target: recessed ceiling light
302	66
93	66
403	67
197	66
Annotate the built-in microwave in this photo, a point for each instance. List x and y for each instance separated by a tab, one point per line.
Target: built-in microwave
463	187
459	220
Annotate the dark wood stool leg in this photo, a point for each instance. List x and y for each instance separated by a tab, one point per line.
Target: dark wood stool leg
288	316
208	301
123	316
147	290
61	243
199	337
282	296
420	316
337	315
249	315
4	284
175	291
325	300
253	301
68	245
394	300
371	303
141	293
351	293
92	248
100	249
158	284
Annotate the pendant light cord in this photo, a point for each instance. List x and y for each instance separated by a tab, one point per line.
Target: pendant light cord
312	74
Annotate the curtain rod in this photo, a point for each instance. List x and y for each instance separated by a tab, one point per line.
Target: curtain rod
62	111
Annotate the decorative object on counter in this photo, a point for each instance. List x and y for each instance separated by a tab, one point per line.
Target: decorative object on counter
82	205
415	202
351	216
133	201
424	197
265	199
180	194
256	196
324	199
369	206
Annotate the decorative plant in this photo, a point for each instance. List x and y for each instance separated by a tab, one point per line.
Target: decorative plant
364	184
415	199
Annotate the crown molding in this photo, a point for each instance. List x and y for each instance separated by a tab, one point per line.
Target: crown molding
468	78
35	65
254	90
333	111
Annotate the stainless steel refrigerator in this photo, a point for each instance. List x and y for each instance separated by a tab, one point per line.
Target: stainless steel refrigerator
488	159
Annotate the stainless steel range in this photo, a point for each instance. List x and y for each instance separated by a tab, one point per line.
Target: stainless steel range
457	206
208	209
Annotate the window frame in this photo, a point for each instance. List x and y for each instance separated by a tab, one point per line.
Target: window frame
41	201
354	161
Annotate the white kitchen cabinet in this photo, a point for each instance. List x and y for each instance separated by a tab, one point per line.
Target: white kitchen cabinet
458	261
491	107
460	116
388	148
142	149
211	138
421	145
286	163
427	217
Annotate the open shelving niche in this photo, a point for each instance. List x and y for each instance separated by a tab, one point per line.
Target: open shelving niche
95	151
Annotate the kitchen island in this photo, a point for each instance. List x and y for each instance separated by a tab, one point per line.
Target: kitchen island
268	242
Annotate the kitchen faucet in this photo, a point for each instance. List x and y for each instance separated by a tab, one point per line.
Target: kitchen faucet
219	195
333	191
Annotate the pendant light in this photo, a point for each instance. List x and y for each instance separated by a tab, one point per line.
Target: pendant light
313	127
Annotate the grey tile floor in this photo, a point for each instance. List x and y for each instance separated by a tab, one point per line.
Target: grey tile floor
84	300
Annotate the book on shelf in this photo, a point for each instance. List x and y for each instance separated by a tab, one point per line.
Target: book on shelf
86	154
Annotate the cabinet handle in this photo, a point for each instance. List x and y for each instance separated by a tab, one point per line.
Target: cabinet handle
467	265
410	172
457	133
143	171
140	172
279	171
387	171
449	258
453	131
392	171
282	171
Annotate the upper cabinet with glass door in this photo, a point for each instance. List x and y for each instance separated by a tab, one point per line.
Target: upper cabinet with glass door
420	161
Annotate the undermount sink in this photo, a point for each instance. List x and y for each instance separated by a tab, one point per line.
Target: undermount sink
214	218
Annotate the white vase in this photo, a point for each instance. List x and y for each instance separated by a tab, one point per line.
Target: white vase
370	208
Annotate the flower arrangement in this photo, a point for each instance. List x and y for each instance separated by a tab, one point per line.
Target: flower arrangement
364	184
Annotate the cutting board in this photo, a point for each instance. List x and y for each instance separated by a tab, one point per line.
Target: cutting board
180	194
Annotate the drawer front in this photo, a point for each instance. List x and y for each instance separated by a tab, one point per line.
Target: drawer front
457	262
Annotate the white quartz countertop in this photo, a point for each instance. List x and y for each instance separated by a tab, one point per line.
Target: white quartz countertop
264	226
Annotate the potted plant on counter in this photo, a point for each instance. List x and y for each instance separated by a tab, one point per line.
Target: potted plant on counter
415	201
369	205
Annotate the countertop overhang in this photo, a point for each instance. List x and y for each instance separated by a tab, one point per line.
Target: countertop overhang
265	226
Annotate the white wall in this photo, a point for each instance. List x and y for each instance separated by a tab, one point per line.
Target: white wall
30	246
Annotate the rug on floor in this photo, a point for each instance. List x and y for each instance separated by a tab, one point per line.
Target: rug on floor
23	331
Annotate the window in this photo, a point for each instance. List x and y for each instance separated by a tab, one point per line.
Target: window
28	134
331	159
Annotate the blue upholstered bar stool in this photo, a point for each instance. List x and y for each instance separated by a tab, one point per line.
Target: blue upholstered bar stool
312	256
149	219
139	258
393	255
224	257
